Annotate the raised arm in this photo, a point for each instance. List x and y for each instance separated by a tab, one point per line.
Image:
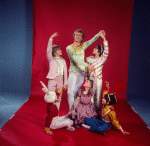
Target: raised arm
49	46
90	42
122	131
115	122
106	49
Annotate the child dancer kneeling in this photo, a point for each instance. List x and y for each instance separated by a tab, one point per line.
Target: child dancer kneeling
108	117
52	120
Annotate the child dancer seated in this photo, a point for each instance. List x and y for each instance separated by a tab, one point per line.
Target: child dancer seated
83	107
52	120
108	117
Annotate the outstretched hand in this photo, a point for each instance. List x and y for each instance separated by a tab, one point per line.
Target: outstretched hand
65	86
73	111
125	133
54	35
102	34
122	131
90	68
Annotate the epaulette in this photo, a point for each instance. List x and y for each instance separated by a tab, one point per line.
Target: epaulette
111	109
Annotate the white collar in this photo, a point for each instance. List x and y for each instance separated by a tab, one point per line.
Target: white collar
85	92
57	57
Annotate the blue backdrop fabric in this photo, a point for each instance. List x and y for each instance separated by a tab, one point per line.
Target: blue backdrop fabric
16	38
138	89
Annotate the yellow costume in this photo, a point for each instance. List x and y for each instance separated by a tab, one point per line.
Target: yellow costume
109	115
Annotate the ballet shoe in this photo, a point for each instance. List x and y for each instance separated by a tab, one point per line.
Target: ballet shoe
47	130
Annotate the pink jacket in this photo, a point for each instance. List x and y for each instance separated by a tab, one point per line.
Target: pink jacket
53	65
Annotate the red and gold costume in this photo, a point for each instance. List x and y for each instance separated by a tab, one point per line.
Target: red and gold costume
109	115
52	112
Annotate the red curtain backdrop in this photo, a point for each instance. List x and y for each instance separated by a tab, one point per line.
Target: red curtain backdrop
64	17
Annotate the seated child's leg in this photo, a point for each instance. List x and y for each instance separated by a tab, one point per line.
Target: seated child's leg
67	122
61	122
92	122
96	125
105	126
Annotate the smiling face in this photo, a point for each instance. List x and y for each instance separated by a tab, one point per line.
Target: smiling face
58	53
87	84
78	37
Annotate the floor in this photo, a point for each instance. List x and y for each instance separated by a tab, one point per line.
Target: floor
142	108
11	102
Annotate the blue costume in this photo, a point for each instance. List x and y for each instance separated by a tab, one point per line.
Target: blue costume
97	125
108	117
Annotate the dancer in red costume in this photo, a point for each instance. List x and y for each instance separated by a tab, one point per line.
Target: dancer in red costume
53	121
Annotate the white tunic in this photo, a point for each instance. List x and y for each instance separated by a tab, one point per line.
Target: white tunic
60	66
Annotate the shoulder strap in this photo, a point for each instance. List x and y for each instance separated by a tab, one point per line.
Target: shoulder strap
106	113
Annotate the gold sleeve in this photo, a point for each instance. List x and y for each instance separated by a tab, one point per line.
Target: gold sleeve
113	119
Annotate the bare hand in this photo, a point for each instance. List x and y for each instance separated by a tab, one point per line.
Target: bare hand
125	132
73	111
58	99
65	86
53	35
90	68
122	131
102	34
78	99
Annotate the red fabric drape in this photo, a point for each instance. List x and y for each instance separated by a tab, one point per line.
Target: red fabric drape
64	17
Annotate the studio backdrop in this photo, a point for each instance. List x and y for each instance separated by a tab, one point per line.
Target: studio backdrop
64	17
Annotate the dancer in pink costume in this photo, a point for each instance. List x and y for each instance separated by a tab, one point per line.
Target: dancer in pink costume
57	68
